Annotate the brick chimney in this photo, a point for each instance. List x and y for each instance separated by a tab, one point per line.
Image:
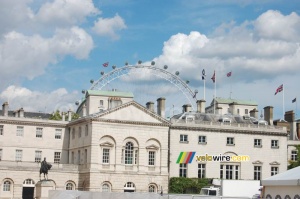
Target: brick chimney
268	112
5	109
161	104
186	108
150	106
254	113
289	116
201	106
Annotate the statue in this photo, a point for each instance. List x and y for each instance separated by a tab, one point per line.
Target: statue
45	167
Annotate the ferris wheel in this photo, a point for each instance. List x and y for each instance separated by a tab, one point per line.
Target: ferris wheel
133	71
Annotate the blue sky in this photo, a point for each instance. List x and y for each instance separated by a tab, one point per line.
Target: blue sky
50	49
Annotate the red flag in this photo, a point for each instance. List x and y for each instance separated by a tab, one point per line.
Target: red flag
279	89
229	74
214	77
105	64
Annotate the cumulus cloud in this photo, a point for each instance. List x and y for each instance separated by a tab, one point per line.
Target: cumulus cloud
35	101
109	26
27	56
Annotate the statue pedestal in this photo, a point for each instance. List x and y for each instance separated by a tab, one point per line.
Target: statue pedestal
42	188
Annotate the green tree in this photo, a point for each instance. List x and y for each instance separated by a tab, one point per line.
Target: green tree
187	185
296	163
55	116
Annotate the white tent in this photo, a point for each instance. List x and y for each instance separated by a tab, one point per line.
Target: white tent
288	178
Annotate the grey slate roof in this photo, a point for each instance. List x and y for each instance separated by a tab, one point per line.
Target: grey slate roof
30	114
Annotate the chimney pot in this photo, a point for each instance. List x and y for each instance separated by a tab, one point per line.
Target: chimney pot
161	106
268	112
150	106
5	109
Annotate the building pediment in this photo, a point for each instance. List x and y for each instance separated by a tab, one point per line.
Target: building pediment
257	162
152	147
106	144
274	163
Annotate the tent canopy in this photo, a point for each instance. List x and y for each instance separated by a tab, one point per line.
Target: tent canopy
287	178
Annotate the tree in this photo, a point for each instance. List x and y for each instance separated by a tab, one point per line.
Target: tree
55	116
296	163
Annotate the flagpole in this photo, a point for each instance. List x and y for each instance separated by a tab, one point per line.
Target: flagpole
204	89
283	100
215	93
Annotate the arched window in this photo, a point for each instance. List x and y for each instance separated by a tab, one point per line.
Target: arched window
70	186
152	188
129	153
129	187
6	185
105	187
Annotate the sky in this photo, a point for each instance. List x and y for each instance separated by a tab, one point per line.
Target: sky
51	49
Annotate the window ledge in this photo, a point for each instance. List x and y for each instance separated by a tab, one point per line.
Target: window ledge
202	143
230	144
275	147
257	146
184	142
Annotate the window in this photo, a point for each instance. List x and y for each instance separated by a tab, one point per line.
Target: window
6	185
136	152
19	155
236	172
38	156
79	132
230	141
73	133
58	133
183	170
85	156
1	129
105	156
105	187
228	171
69	186
57	157
86	130
78	157
101	103
39	132
201	170
183	138
221	171
274	171
238	111
0	154
202	139
294	156
246	111
257	172
20	130
274	144
115	103
72	158
129	153
152	188
257	143
151	158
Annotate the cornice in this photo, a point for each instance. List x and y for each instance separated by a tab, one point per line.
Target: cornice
129	122
32	123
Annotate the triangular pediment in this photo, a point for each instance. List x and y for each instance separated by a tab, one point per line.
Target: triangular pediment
257	162
274	163
132	112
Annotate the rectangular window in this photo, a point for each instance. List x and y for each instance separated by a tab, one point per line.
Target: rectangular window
105	156
1	129
183	170
274	144
183	138
246	111
39	132
274	171
238	111
19	154
73	133
257	172
201	170
78	157
57	157
85	156
86	130
101	103
20	130
136	156
79	132
38	156
58	133
202	139
151	158
72	158
229	171
294	156
257	143
0	154
237	172
230	141
221	171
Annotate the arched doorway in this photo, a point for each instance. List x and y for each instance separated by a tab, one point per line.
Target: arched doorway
28	189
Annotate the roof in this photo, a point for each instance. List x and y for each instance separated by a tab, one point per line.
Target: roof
229	101
289	177
109	93
29	114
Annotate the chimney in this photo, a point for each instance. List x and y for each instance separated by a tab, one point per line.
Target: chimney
21	112
268	112
150	106
161	106
69	115
298	131
232	107
201	106
83	110
219	110
5	109
186	108
16	113
289	116
254	113
63	118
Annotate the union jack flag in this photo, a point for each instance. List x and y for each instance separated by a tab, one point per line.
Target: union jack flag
279	89
105	64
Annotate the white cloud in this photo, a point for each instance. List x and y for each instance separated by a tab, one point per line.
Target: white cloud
109	26
20	97
28	56
63	13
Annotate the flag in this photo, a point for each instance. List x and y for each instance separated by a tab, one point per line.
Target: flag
229	74
105	64
203	74
214	77
279	89
294	100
